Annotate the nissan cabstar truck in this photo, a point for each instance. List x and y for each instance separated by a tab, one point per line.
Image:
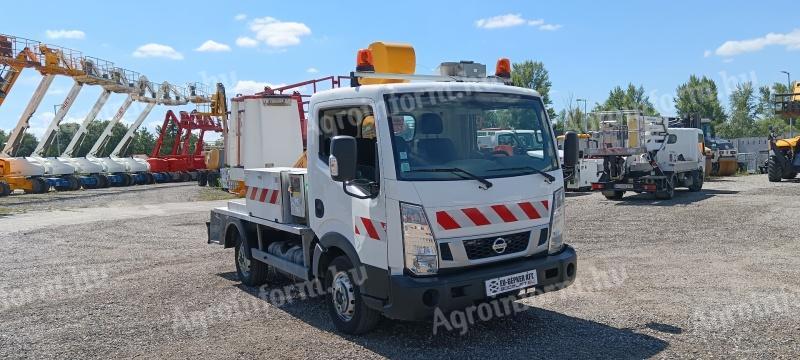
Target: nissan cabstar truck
399	211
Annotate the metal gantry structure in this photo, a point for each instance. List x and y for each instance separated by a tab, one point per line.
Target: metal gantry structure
39	173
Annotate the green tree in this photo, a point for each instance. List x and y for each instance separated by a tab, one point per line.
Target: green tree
744	108
27	145
699	96
63	137
630	98
142	143
533	75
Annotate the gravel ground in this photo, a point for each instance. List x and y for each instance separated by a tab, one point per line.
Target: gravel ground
108	197
709	274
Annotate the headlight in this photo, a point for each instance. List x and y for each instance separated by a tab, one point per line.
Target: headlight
557	223
418	243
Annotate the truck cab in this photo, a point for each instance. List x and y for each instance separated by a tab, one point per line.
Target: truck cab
398	187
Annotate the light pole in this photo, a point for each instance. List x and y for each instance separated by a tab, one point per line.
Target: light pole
585	118
789	84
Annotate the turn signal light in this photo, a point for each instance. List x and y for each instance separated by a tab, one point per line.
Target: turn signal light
364	61
596	186
503	68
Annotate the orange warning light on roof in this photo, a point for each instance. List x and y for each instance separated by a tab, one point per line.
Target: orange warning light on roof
364	61
503	68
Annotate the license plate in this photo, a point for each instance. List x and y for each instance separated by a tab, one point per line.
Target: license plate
623	186
511	282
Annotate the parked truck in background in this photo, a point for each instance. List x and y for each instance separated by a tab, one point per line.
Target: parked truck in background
643	154
398	189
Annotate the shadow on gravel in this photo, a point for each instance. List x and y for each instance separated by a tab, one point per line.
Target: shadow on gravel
577	194
681	198
531	333
24	199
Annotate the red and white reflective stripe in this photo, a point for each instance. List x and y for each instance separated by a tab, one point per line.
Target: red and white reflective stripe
493	214
267	196
366	227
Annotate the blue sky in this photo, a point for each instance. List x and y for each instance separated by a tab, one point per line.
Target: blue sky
588	46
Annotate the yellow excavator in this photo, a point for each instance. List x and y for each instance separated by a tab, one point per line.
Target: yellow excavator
784	154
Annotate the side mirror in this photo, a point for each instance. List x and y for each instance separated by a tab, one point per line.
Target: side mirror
342	161
570	149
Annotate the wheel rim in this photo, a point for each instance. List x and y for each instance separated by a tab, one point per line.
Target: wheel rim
243	261
343	296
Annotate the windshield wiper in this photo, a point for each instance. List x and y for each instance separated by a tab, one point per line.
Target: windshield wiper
550	178
486	183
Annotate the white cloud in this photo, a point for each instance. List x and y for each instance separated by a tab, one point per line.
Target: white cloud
550	27
65	34
39	123
276	33
249	87
312	70
157	50
240	17
536	22
707	53
790	40
213	46
500	21
512	20
245	41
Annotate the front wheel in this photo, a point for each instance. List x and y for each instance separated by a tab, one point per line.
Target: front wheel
774	170
346	306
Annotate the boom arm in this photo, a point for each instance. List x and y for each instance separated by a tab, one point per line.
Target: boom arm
102	141
77	139
49	134
15	138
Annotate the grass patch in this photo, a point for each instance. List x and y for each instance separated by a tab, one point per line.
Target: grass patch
210	194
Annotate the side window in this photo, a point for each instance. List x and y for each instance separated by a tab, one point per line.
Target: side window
672	139
355	121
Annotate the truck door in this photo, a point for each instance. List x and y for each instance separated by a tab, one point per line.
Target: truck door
361	221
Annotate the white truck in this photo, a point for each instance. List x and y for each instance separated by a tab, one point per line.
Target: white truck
588	169
644	155
428	219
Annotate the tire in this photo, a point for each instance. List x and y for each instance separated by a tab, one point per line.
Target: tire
614	195
202	179
38	186
250	272
346	307
213	179
669	193
697	181
5	189
774	170
74	183
102	181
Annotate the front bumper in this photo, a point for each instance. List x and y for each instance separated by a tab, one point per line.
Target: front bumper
416	298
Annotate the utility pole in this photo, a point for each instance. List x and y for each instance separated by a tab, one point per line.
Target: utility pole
585	118
789	86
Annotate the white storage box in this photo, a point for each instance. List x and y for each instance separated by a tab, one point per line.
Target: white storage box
268	193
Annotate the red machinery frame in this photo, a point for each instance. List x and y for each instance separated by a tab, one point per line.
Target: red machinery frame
179	158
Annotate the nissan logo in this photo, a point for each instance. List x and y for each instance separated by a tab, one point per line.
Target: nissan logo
499	245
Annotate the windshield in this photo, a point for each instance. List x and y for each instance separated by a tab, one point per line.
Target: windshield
488	135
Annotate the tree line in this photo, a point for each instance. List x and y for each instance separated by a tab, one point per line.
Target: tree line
143	140
750	111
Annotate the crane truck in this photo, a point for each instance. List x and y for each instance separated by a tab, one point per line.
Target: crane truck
784	154
395	222
644	155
